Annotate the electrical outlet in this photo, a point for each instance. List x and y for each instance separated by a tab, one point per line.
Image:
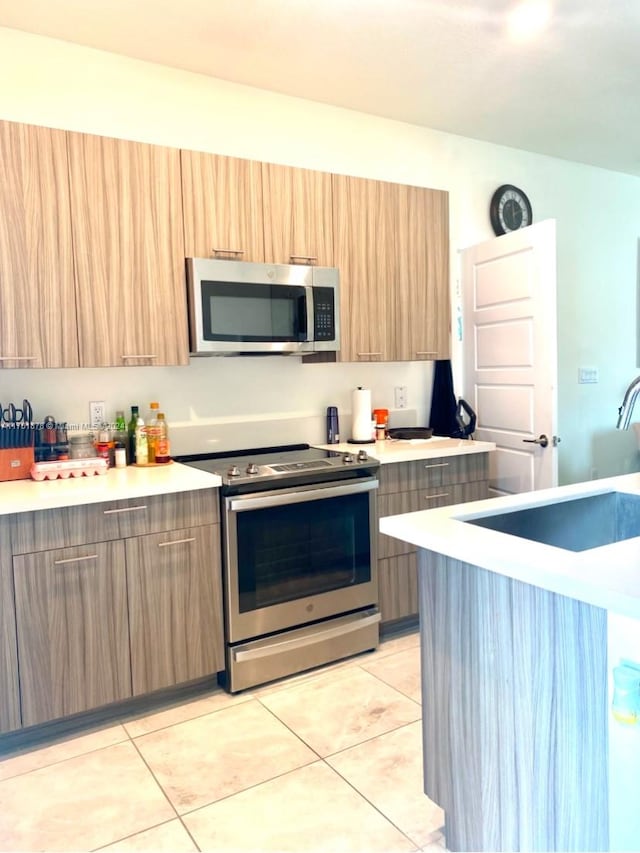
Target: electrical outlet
401	397
97	414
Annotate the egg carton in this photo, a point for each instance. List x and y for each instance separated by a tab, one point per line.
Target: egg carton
68	468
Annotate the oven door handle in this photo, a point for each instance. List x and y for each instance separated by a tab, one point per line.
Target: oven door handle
241	504
313	636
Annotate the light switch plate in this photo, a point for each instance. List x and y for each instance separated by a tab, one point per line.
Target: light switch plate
401	397
587	375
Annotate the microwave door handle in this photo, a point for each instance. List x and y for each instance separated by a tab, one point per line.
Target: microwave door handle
242	504
311	331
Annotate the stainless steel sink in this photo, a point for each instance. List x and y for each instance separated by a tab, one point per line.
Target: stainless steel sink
576	525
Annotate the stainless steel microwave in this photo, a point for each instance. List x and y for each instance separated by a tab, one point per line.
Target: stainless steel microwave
242	308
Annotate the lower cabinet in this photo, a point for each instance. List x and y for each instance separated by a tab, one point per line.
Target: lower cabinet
409	487
73	634
103	621
175	598
9	688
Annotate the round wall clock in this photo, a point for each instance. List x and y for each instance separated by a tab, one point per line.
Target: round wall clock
509	210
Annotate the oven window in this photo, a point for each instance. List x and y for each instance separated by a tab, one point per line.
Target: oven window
253	312
292	551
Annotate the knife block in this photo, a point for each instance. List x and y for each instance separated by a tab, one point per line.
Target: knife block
15	463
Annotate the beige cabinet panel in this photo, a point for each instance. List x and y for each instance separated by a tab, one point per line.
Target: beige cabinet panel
391	243
37	301
222	203
9	687
298	215
175	607
129	252
423	304
73	634
363	250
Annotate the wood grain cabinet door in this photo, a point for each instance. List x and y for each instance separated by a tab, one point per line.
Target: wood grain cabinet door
298	216
364	223
73	636
423	304
175	607
37	302
9	695
222	203
129	252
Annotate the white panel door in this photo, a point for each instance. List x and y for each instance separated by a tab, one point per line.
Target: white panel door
510	354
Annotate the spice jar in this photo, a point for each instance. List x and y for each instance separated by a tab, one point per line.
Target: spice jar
81	446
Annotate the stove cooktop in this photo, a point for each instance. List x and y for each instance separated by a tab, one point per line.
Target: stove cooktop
274	463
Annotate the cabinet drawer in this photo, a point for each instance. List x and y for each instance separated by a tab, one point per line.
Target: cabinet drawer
430	473
67	526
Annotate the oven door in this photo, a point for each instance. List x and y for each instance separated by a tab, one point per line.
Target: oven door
297	555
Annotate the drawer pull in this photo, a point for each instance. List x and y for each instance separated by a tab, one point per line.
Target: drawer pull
426	352
295	258
176	542
18	357
437	465
142	355
363	354
215	251
75	559
439	495
124	509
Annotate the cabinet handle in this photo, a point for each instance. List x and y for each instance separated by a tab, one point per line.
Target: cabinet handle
426	352
361	354
215	251
176	542
142	355
124	509
439	495
294	258
75	559
436	465
18	357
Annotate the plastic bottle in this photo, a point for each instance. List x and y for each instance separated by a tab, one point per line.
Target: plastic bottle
121	455
142	447
120	435
131	429
162	440
152	430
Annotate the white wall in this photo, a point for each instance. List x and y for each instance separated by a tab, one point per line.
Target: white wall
53	83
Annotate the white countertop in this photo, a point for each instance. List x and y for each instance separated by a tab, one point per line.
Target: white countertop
116	484
608	576
389	451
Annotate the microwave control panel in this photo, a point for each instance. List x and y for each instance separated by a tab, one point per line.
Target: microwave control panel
324	327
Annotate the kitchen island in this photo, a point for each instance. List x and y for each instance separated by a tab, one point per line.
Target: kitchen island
519	639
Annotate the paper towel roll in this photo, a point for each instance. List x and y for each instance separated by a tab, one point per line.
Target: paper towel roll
361	415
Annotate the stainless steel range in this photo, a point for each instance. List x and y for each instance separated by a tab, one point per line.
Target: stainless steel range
299	558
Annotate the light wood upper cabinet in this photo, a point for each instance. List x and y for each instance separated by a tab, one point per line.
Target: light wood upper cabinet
391	246
363	231
37	305
128	252
423	305
222	206
298	215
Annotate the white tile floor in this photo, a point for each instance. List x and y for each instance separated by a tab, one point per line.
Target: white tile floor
325	761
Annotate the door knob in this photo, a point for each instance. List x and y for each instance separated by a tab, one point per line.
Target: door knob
542	440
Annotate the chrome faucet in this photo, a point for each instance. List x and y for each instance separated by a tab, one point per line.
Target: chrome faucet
625	410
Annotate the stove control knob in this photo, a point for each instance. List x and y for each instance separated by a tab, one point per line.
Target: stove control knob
362	456
252	468
234	471
347	458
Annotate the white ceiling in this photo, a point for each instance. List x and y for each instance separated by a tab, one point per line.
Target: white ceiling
446	64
